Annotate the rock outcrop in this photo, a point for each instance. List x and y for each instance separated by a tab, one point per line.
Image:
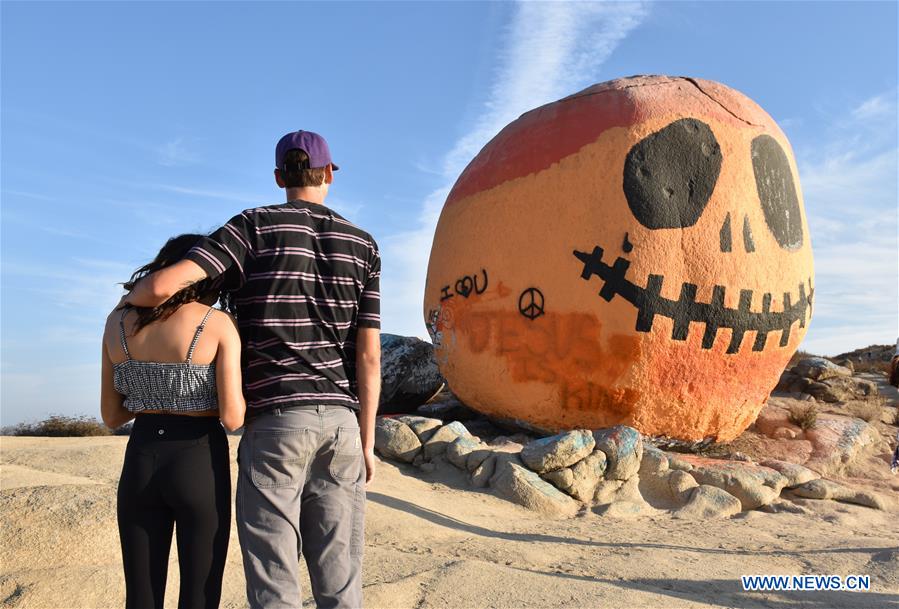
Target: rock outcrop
409	373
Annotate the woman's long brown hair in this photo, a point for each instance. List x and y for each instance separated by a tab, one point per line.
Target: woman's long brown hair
173	251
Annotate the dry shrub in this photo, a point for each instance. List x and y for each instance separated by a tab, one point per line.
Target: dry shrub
58	426
872	366
869	411
804	417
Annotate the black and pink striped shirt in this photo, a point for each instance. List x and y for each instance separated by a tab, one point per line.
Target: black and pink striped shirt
304	279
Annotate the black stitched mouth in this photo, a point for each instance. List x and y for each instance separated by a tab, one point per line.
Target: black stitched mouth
714	315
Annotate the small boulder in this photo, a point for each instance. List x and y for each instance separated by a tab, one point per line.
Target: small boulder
447	409
524	487
505	444
502	462
438	442
476	457
606	490
846	363
709	502
827	489
819	369
791	383
586	474
562	479
409	373
622	509
556	452
784	433
623	447
458	450
396	440
753	485
794	473
679	464
481	475
654	461
423	427
680	484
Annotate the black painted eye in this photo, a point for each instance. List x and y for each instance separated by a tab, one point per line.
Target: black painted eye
777	193
669	175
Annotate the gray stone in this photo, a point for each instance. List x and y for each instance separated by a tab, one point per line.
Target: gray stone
481	475
819	369
504	444
458	450
503	462
866	387
753	485
794	473
423	427
447	409
678	463
586	474
476	457
655	490
791	383
438	442
709	502
839	441
556	452
606	491
827	489
623	447
562	479
524	487
846	363
654	461
395	440
680	484
409	373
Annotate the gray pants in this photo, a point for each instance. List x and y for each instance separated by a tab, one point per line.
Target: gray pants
301	489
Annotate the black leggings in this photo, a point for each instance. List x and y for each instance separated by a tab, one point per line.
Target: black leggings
176	474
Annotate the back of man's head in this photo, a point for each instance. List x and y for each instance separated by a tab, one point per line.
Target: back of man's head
296	172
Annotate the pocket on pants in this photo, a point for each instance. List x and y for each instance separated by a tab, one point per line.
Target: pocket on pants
279	457
347	457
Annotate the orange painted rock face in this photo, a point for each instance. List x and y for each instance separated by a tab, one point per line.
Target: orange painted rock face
636	253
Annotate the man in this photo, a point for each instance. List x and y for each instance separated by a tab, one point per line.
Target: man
306	288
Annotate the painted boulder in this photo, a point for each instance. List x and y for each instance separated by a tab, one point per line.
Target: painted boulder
636	253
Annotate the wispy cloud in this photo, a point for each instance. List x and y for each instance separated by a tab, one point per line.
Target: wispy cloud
849	182
177	152
207	194
27	195
551	49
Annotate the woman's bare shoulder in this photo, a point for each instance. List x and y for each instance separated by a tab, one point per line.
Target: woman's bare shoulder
224	322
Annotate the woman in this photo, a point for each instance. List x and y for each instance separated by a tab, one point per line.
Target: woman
175	369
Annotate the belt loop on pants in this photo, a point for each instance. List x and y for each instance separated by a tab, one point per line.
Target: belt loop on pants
320	409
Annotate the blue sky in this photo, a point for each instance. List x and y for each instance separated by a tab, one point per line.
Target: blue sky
126	123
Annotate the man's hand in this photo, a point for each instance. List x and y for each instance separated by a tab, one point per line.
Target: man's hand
370	463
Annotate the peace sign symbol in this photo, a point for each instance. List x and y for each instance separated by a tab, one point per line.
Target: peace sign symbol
530	303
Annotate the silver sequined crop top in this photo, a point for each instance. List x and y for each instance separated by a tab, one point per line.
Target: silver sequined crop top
173	387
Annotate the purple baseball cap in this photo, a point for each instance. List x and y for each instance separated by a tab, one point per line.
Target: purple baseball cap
311	143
